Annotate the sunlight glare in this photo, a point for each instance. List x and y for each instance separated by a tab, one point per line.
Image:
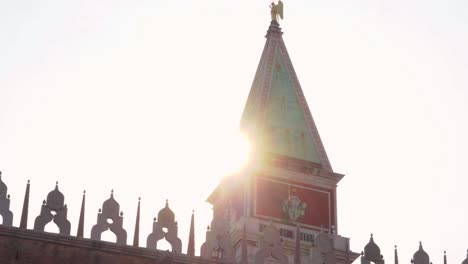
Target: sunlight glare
237	152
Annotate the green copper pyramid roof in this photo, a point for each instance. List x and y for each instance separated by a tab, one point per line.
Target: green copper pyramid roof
276	117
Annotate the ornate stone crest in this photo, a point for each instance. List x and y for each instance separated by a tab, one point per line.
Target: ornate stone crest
294	207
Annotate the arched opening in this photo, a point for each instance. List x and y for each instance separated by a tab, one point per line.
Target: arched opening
51	227
164	245
108	236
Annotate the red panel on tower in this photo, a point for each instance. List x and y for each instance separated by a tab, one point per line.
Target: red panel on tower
290	202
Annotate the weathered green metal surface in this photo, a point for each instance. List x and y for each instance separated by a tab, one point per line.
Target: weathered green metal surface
286	131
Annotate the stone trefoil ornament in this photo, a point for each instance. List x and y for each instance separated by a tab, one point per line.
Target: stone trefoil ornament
294	207
276	10
54	209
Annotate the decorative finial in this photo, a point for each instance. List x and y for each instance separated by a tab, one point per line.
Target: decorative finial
112	193
29	181
193	211
121	213
8	196
100	210
84	192
44	202
167	202
154	219
208	228
139	198
56	185
276	11
396	255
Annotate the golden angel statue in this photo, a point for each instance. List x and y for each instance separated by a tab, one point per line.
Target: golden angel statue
276	10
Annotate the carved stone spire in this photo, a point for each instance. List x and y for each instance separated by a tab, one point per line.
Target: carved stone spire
191	240
297	256
396	255
136	236
82	215
24	214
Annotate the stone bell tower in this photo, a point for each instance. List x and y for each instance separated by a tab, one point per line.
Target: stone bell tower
281	207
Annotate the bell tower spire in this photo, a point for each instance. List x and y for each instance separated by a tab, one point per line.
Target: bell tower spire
288	186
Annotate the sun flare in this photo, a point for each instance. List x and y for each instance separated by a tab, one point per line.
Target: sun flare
237	152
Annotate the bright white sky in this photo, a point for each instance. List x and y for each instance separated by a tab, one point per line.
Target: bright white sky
145	97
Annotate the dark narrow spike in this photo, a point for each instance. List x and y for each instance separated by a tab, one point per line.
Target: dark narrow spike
244	246
445	257
297	256
24	215
191	241
82	215
396	255
136	236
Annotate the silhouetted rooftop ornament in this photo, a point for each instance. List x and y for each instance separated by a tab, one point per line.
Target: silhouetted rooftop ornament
80	231
136	235
109	218
191	240
420	256
166	215
165	221
54	208
5	212
371	250
396	255
466	260
24	214
372	253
